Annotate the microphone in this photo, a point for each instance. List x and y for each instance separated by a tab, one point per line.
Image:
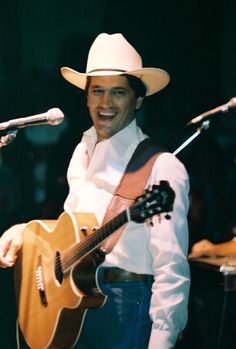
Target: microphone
52	117
221	109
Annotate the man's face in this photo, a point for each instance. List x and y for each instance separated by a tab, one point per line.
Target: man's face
111	104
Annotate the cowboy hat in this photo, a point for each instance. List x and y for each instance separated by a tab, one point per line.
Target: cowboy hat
113	55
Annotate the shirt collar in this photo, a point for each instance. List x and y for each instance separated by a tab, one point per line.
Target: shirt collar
130	136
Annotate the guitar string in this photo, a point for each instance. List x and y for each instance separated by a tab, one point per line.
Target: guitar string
80	249
76	252
99	235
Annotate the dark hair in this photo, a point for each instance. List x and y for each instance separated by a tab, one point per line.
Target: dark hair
135	83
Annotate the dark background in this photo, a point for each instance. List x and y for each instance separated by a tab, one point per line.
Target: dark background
195	41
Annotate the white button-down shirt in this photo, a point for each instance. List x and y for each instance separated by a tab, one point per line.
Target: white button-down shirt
93	175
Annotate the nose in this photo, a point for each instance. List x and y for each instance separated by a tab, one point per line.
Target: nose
106	99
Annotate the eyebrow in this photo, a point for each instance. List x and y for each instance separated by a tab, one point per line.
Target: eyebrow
113	87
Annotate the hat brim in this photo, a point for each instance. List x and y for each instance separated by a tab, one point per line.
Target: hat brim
154	79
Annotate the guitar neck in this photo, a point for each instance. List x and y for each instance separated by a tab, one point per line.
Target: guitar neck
155	201
84	247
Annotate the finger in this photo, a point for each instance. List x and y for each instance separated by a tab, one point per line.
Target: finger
11	257
11	254
193	255
6	259
4	263
8	254
4	247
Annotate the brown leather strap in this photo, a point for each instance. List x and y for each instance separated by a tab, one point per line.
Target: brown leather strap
136	175
131	185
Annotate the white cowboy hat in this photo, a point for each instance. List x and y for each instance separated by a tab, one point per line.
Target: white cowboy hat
113	55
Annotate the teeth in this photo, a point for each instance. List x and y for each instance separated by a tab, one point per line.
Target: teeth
106	114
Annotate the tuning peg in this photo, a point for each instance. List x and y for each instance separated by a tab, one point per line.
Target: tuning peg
149	222
167	216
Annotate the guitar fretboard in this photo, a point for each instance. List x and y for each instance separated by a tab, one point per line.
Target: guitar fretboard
84	247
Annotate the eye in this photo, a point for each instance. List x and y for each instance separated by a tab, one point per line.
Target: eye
97	91
118	92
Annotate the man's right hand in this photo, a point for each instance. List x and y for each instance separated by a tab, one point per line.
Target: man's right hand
10	243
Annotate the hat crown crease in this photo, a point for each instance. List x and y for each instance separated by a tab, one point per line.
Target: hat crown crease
112	52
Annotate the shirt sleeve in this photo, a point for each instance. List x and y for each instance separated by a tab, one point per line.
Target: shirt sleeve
169	246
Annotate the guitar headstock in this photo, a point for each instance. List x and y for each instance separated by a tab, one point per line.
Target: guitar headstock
158	199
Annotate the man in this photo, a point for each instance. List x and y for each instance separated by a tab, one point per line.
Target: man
139	313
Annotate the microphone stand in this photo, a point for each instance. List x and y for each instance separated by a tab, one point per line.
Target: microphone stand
8	138
204	126
229	271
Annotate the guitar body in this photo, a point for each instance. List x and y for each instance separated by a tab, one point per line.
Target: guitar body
51	307
55	273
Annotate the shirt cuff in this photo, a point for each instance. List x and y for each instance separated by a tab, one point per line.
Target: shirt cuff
161	340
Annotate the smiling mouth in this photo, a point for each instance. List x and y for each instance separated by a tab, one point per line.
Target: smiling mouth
106	116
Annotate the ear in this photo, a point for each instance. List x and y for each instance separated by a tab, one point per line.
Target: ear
139	102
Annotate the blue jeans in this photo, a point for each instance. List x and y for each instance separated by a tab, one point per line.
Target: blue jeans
123	322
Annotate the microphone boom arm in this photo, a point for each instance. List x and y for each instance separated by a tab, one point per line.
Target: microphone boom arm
221	109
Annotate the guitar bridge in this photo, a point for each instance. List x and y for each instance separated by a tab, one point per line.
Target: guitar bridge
40	281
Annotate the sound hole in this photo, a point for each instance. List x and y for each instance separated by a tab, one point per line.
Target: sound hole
58	269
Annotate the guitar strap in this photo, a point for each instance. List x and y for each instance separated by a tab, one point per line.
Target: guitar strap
131	185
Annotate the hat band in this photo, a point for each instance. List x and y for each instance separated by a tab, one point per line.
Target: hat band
106	69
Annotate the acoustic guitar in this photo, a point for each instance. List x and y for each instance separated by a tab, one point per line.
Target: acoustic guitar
55	273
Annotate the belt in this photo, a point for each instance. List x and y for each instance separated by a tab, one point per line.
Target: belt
114	274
